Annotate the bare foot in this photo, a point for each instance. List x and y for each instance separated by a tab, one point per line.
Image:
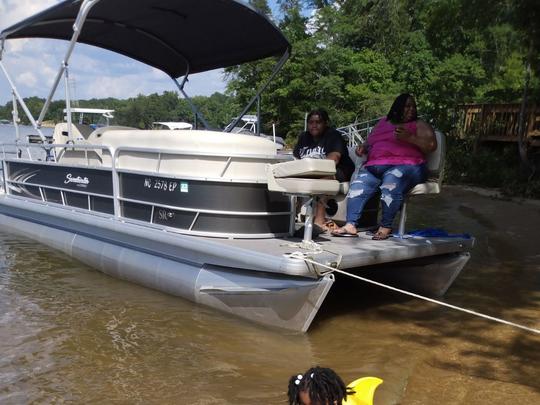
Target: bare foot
347	229
327	225
382	233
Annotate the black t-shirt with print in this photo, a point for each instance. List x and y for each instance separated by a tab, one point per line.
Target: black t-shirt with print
330	141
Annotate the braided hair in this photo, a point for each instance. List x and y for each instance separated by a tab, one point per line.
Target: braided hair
323	385
395	115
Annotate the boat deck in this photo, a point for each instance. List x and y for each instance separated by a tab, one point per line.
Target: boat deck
352	252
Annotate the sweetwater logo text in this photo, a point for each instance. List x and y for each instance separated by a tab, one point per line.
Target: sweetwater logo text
79	181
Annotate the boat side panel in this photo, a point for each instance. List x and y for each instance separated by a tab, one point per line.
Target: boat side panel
204	195
154	240
65	177
207	207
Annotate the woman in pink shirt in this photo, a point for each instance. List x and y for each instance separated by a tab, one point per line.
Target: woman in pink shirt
396	150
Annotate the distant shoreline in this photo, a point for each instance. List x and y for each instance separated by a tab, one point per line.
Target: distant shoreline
45	124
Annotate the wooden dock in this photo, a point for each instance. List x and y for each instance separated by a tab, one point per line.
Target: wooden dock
497	122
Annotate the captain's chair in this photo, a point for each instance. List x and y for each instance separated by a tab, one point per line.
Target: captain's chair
435	167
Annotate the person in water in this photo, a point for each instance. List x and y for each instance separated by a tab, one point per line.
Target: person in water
317	386
322	142
396	161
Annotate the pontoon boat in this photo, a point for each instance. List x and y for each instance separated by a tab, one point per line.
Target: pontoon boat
205	215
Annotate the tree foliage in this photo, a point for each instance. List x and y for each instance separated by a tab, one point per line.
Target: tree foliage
141	111
353	57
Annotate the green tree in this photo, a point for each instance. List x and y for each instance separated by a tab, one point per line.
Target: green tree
262	6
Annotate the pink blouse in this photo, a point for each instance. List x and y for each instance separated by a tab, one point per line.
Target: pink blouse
385	149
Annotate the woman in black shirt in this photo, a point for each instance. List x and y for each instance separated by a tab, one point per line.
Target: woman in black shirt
322	142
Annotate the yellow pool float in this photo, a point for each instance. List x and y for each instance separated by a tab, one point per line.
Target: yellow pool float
364	389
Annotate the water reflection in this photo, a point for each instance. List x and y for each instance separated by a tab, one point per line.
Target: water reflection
69	333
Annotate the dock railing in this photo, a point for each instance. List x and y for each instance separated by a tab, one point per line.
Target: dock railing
497	122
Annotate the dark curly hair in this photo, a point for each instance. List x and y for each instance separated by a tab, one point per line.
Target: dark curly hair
395	115
321	112
323	385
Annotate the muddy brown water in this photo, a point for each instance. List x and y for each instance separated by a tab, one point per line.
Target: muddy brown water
71	334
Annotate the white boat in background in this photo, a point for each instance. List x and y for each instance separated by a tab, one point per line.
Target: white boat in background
248	124
93	117
199	214
172	126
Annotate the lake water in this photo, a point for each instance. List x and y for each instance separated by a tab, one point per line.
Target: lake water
7	132
71	334
7	135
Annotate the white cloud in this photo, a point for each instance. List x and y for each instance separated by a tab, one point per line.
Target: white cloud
13	11
207	83
34	63
27	78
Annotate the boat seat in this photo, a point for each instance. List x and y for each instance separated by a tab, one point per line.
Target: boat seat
312	168
304	186
435	167
79	132
344	187
304	178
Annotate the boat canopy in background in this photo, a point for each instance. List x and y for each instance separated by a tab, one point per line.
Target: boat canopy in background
175	36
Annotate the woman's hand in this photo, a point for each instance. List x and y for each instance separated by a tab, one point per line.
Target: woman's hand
424	138
402	134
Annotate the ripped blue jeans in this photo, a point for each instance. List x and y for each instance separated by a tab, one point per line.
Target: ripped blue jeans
394	181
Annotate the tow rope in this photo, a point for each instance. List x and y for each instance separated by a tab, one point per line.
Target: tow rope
301	256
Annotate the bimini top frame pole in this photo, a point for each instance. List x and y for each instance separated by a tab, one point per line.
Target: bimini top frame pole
158	33
17	97
194	108
256	97
77	27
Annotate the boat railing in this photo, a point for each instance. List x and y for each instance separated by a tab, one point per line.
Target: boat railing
48	152
161	152
24	151
357	132
2	179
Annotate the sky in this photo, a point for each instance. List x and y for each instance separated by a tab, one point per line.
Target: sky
94	73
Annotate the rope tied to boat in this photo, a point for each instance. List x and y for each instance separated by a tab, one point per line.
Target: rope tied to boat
313	248
301	256
309	245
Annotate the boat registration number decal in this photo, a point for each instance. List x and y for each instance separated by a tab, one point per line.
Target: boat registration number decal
163	185
184	187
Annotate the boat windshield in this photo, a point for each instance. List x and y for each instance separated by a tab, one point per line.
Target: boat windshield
94	117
